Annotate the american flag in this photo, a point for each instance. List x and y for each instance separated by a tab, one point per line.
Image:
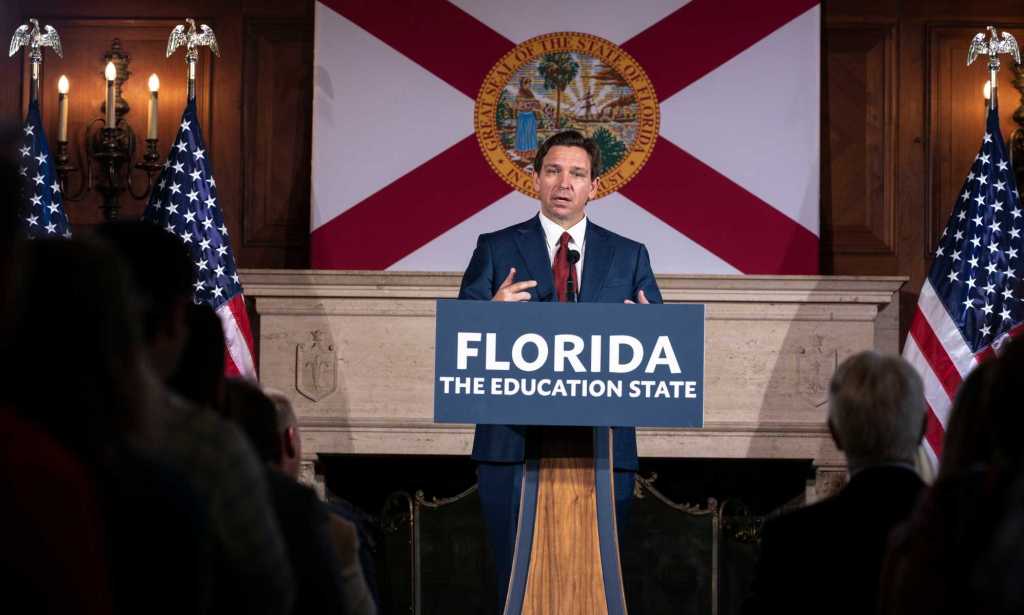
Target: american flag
184	202
970	304
42	212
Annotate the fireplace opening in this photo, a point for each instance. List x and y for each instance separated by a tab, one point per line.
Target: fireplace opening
690	547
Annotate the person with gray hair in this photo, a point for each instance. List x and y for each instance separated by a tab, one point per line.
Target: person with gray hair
876	410
827	557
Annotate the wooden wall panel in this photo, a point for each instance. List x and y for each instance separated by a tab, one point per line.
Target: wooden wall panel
267	217
938	120
858	197
278	70
87	41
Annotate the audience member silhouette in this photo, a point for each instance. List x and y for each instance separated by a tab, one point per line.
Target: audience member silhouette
99	406
827	557
51	527
78	329
199	375
251	571
303	517
344	533
970	443
995	582
943	560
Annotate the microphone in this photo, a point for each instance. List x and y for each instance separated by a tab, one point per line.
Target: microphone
570	291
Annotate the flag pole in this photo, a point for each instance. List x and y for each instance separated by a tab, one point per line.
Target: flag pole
191	58
36	57
993	71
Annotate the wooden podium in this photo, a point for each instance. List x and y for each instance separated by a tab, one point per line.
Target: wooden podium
566	570
563	374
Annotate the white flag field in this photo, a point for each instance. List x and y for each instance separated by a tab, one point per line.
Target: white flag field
405	176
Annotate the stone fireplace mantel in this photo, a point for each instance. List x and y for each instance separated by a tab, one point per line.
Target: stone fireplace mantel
354	350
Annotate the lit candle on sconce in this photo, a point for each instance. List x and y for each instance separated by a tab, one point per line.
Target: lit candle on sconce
110	72
62	109
154	88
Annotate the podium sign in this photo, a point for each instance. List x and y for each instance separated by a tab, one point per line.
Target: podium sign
586	364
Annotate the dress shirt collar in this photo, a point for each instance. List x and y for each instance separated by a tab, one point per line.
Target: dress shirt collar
553	233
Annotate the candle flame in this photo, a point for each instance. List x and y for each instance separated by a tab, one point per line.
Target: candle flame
62	84
110	72
154	83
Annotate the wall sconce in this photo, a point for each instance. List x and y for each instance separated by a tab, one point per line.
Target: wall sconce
110	143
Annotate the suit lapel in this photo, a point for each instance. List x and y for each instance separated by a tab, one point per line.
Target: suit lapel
530	242
596	263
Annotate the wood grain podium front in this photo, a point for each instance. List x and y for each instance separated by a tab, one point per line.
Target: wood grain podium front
565	572
355	352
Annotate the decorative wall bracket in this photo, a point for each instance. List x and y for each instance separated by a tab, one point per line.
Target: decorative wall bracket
109	150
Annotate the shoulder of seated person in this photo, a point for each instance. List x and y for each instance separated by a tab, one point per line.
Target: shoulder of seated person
180	408
796	520
344	531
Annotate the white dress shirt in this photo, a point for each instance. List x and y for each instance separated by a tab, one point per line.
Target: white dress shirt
578	235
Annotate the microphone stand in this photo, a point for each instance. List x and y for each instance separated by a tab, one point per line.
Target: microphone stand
570	289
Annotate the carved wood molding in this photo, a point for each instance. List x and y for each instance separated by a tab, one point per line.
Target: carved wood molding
859	205
277	131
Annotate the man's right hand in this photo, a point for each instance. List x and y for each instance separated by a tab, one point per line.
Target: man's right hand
513	291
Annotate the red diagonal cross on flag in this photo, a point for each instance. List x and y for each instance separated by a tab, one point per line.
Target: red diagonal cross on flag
436	197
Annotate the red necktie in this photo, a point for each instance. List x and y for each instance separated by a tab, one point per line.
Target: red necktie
562	270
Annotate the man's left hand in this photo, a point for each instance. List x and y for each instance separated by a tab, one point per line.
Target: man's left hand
640	298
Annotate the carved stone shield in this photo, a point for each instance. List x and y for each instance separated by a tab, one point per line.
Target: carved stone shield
815	365
316	367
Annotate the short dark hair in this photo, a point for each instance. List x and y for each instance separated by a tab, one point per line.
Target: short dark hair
571	138
1006	416
199	376
255	413
104	392
10	188
161	267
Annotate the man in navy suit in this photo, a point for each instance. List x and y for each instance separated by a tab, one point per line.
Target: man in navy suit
521	263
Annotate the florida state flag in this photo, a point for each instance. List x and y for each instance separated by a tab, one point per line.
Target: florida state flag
428	113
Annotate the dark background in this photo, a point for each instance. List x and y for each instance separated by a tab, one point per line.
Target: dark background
668	560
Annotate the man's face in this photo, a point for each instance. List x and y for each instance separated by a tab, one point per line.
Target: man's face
564	185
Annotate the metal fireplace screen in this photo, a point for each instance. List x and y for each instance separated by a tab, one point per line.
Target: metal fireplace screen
676	558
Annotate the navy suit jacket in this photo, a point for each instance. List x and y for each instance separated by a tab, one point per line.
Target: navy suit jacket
614	269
